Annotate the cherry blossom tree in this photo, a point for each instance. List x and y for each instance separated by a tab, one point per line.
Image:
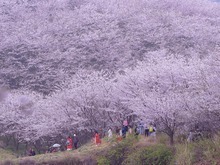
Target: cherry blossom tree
17	116
173	94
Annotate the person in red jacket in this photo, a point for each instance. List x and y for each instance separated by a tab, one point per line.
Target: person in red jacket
97	138
69	143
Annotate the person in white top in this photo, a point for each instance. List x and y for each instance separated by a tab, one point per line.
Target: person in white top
120	132
130	129
110	134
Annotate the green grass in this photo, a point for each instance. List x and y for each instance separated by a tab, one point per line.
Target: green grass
6	155
184	154
202	152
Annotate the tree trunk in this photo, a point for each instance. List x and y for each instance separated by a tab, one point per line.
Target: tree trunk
17	146
171	136
38	148
7	140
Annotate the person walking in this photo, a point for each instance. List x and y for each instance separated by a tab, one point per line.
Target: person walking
153	134
110	134
130	129
125	124
146	132
151	129
75	141
124	130
69	143
117	131
136	131
190	137
97	138
141	127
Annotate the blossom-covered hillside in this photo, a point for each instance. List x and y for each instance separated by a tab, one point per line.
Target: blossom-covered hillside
45	42
80	65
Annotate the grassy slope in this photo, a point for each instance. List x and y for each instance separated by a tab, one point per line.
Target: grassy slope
195	153
81	153
6	155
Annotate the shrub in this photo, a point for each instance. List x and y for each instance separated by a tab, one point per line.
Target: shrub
210	149
154	155
162	139
204	151
117	153
103	161
184	154
181	138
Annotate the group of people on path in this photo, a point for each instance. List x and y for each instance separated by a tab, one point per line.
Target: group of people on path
140	129
147	130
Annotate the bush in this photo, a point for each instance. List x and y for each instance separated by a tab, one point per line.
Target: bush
210	149
181	138
116	154
184	154
205	151
163	139
154	155
103	161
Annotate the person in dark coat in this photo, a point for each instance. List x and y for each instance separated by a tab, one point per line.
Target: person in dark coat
136	130
146	132
75	141
117	131
124	130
